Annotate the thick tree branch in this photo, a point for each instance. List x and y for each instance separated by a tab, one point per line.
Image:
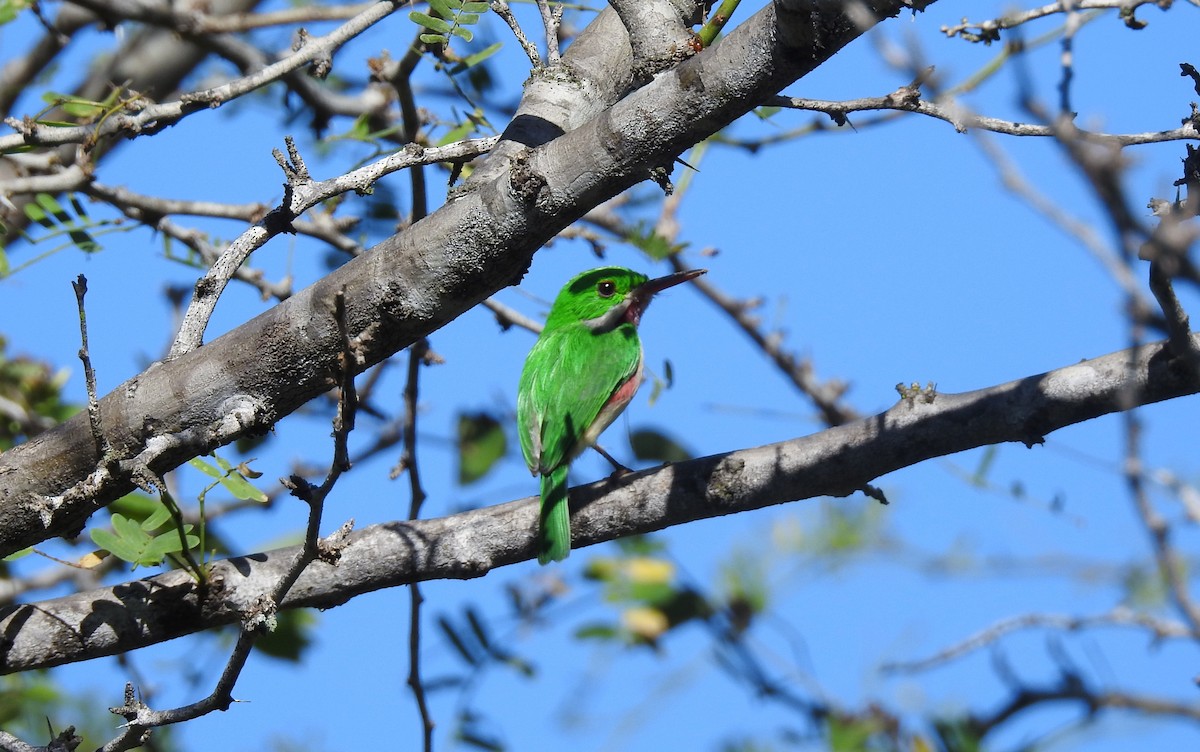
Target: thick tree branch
412	283
833	462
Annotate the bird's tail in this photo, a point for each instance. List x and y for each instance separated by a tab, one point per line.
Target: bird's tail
554	526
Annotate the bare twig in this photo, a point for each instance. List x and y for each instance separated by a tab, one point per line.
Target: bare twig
417	355
989	31
507	316
1159	629
501	8
302	194
139	117
103	451
908	99
551	19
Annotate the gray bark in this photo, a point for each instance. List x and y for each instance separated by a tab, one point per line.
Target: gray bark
836	462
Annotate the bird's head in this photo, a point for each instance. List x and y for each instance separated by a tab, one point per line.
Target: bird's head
606	297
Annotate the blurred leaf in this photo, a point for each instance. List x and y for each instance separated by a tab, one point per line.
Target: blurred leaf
650	445
10	8
291	637
743	579
958	734
136	505
1145	587
645	623
19	554
850	734
641	545
979	479
478	741
481	443
457	641
597	631
475	58
644	237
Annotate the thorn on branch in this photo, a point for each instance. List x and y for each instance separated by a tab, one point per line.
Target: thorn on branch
875	493
1187	70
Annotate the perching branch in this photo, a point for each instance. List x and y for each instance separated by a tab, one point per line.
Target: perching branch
833	462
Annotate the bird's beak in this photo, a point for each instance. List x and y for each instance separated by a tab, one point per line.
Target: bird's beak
647	289
639	300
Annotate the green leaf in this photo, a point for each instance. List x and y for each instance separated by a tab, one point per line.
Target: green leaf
157	519
481	443
650	445
478	57
462	33
434	39
19	554
229	477
206	468
475	7
123	541
166	543
442	7
432	23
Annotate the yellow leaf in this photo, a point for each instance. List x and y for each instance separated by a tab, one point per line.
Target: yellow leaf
92	560
647	623
642	570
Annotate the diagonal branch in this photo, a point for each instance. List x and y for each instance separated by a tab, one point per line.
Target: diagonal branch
833	462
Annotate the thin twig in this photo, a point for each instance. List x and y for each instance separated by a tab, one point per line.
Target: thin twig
140	118
908	99
507	316
303	193
500	7
551	20
1160	629
103	450
417	355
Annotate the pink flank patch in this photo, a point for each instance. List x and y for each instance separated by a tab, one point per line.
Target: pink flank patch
624	393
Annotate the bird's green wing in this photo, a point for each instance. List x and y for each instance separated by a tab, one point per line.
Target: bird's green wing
569	375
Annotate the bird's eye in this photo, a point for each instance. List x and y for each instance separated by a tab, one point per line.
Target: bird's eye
606	288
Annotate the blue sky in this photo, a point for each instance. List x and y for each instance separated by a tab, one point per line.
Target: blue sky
889	254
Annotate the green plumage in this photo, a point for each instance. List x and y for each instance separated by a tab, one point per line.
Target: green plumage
581	373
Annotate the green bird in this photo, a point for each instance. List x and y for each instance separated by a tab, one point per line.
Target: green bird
581	373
